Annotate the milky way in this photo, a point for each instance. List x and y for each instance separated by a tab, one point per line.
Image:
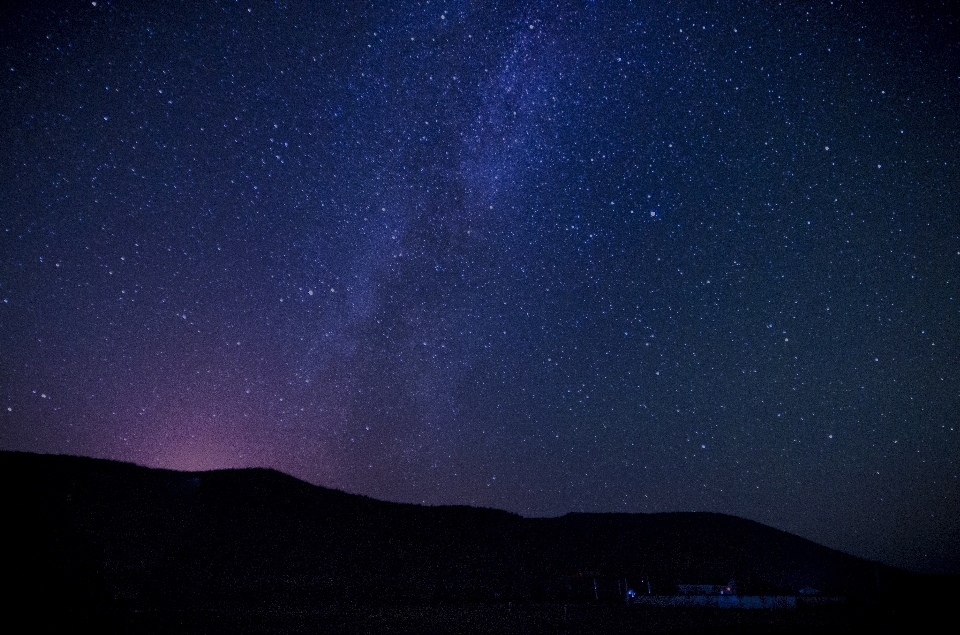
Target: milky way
584	257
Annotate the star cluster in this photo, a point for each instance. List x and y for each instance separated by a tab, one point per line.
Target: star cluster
541	257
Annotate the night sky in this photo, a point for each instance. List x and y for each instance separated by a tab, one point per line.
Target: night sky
538	257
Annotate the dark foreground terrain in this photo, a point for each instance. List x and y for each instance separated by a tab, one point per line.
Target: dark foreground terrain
123	548
477	619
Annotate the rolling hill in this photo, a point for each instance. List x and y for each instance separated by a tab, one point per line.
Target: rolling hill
96	537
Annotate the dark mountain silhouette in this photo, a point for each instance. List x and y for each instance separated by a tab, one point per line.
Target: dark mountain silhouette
100	538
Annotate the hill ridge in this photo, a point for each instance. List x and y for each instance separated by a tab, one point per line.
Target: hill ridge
153	539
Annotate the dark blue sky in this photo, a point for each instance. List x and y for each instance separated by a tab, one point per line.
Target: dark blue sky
545	258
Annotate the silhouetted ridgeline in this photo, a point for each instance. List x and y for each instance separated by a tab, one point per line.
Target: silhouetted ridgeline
88	535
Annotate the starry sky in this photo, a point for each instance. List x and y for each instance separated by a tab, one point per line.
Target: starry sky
698	256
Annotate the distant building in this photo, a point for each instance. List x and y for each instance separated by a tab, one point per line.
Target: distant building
724	596
730	588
